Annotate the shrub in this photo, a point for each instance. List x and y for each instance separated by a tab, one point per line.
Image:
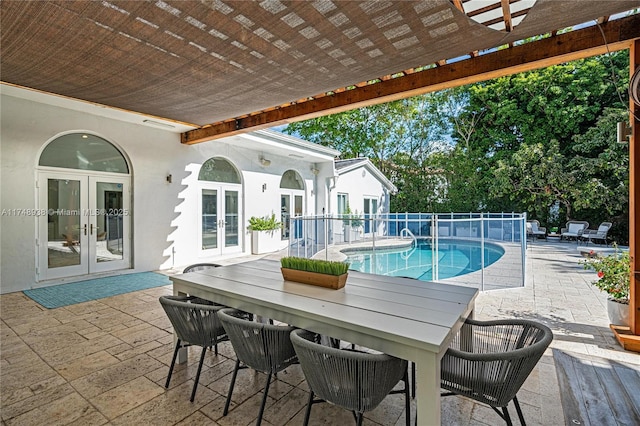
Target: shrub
264	223
614	274
350	218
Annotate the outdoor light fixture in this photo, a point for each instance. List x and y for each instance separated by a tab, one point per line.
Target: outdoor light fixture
159	124
265	162
315	170
623	132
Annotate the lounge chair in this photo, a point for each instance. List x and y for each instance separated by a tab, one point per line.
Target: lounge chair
589	235
534	230
573	229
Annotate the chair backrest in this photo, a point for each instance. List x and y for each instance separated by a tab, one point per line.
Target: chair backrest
200	267
354	380
576	226
194	320
533	224
263	347
603	229
491	363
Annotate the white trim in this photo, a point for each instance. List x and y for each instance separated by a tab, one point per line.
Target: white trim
366	163
277	143
94	108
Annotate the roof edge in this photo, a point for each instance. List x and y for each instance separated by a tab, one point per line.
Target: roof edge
372	168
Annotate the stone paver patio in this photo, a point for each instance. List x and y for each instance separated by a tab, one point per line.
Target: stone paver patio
105	361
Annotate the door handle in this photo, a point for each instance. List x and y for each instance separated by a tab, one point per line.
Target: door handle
85	229
91	229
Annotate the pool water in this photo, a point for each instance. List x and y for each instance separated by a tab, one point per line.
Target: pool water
454	258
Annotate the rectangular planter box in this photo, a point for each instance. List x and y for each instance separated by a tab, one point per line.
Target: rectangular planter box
323	280
265	241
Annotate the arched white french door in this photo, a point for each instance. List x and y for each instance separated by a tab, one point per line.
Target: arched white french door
220	194
84	207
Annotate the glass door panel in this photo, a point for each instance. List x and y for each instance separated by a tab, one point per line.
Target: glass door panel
297	201
109	223
285	211
370	210
209	219
64	228
231	222
62	231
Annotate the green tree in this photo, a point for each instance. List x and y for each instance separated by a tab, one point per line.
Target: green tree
528	136
379	132
601	166
535	177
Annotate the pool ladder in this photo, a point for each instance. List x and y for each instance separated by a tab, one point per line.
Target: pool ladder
406	232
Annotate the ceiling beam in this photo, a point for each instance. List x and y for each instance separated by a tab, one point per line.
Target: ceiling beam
538	54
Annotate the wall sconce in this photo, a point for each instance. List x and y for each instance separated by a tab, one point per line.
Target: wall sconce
264	187
169	178
623	132
315	171
265	162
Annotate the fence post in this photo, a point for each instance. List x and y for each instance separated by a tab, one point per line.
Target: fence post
482	250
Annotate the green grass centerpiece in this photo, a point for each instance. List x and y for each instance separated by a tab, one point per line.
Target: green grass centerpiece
324	273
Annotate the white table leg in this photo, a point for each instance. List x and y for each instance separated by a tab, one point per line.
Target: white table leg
428	389
183	353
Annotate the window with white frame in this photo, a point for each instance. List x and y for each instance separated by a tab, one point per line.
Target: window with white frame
343	203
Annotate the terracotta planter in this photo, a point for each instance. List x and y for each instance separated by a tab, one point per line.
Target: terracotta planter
323	280
618	312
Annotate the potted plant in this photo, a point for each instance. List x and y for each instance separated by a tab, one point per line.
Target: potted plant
614	276
352	224
265	235
324	273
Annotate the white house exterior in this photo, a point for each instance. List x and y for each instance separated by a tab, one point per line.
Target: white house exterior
151	202
361	186
359	189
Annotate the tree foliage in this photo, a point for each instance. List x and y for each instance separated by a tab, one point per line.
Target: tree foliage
549	136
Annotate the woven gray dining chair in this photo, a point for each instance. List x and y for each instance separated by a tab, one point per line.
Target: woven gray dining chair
195	323
263	347
354	380
200	267
488	361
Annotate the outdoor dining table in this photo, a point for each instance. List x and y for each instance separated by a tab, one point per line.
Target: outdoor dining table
410	319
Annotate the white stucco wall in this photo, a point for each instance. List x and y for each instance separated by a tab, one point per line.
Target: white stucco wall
360	183
165	215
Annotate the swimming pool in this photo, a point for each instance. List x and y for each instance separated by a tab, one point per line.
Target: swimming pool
454	258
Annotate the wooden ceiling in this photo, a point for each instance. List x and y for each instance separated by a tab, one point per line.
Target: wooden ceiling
232	66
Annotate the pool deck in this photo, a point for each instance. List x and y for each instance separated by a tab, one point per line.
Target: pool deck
105	361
